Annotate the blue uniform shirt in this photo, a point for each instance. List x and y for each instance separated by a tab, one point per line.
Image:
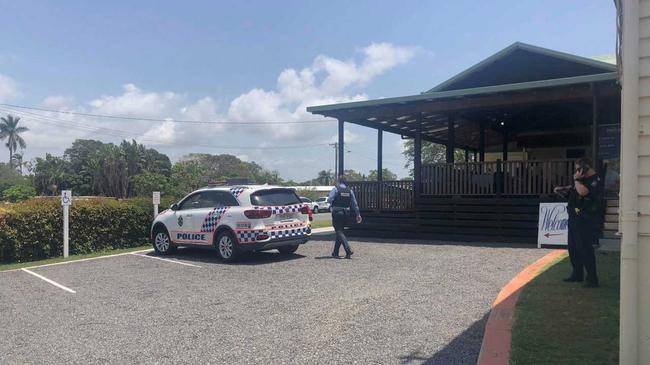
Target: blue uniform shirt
353	201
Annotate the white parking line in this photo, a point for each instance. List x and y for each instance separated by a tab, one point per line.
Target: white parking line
80	260
49	281
168	260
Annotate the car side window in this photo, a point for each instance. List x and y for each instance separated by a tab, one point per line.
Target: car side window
191	202
209	199
228	200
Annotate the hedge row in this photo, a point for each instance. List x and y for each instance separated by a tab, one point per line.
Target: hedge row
33	229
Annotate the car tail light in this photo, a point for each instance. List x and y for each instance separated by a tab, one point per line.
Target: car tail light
257	214
306	209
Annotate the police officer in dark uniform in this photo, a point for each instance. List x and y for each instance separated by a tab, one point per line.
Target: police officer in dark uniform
343	202
584	210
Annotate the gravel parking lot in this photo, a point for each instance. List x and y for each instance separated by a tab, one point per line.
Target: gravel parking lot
391	304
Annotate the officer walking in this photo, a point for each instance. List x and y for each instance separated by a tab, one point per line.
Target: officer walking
584	210
342	201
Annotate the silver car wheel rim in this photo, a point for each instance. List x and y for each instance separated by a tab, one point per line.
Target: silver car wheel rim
225	247
162	242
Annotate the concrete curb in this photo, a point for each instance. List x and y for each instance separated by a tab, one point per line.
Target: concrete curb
495	349
324	230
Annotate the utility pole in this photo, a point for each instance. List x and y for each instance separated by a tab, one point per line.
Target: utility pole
336	159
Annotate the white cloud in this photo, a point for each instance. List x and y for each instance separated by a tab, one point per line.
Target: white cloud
8	89
298	89
164	133
348	137
135	102
58	102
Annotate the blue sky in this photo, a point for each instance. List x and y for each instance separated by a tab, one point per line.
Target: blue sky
232	61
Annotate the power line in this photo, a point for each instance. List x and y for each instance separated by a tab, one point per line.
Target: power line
126	134
117	117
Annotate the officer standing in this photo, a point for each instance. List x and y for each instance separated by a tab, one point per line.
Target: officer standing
342	201
584	210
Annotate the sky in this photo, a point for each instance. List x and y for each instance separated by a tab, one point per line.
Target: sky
256	61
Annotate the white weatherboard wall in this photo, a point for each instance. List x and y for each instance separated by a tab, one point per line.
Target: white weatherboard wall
635	184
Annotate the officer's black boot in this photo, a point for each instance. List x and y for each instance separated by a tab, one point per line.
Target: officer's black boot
348	254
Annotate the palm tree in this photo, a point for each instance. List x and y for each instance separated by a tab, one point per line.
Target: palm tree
10	131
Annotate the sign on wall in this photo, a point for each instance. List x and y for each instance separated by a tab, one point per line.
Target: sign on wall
609	141
553	226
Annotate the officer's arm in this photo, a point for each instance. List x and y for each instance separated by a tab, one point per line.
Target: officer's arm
354	204
332	194
581	188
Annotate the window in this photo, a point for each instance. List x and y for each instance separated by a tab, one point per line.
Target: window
211	199
191	202
305	200
321	200
274	197
208	199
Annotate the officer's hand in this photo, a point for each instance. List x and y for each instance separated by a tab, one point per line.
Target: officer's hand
359	219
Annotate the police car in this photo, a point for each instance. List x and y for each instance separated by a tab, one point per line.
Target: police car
234	220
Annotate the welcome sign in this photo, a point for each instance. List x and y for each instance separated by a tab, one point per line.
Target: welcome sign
553	226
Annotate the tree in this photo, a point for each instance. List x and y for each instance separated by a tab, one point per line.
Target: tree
387	175
147	182
18	193
51	174
10	177
10	131
353	175
431	153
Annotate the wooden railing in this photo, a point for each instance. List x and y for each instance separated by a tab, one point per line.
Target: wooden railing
534	177
510	178
387	195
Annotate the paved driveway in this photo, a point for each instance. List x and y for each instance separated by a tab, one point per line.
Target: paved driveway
390	304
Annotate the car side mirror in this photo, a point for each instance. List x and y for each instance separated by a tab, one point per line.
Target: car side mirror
174	206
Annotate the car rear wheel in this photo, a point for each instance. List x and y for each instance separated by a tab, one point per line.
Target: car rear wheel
162	244
285	250
226	247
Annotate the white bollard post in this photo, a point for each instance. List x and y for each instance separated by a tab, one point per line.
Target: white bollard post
66	201
66	231
156	203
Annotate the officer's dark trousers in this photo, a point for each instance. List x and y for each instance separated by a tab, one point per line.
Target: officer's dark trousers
583	234
339	219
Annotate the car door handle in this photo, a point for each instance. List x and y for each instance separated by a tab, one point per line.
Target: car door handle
188	215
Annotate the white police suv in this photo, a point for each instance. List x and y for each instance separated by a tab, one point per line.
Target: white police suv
234	220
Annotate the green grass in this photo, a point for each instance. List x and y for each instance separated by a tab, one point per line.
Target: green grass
19	265
321	224
564	323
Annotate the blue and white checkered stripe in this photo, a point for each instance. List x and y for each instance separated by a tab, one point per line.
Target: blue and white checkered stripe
283	209
288	233
237	190
212	219
248	235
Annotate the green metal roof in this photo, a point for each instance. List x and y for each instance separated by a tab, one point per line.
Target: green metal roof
580	65
430	96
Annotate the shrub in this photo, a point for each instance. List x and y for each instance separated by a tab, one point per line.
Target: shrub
18	193
33	229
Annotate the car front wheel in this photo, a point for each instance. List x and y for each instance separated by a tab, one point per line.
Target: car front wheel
226	246
315	210
162	244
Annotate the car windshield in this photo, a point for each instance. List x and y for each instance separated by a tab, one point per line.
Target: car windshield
274	197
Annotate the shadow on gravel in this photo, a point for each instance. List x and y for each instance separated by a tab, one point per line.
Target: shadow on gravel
207	255
435	242
464	349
